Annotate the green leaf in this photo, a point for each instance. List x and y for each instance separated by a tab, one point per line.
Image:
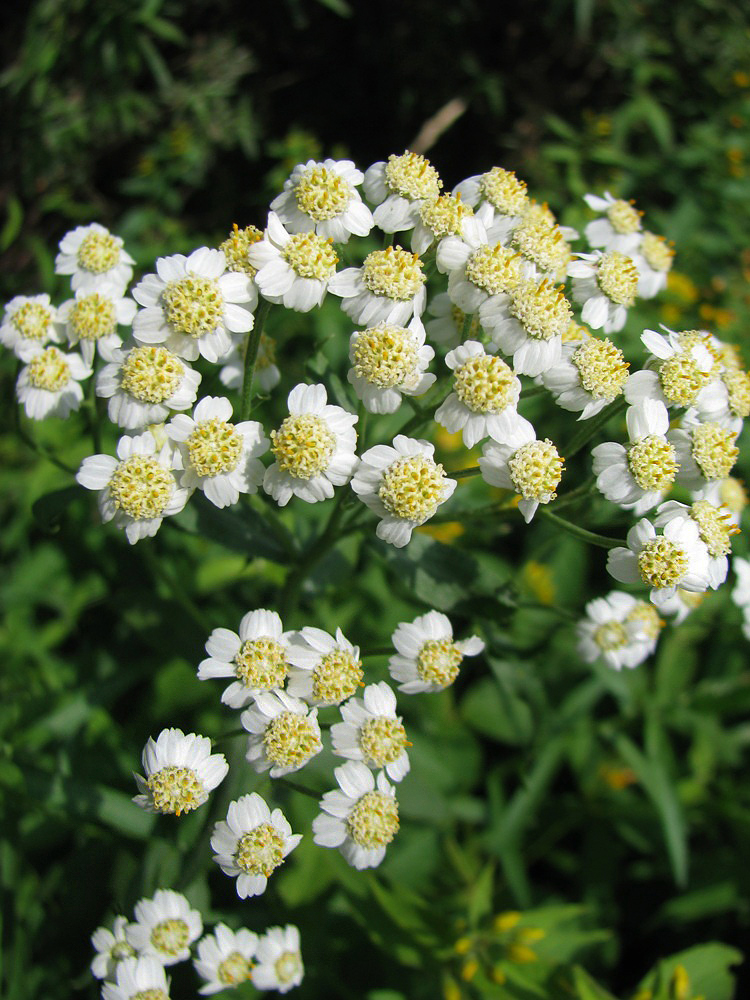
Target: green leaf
708	967
47	510
587	988
494	710
13	223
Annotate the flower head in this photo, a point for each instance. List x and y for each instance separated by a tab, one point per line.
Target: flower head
325	669
389	287
91	320
165	927
372	732
48	385
399	186
95	259
284	733
279	961
619	629
427	657
293	269
29	321
111	948
620	225
589	376
323	197
180	772
606	284
144	383
388	360
136	979
530	467
225	958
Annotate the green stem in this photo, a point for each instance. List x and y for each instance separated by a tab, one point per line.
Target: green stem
251	356
362	415
603	541
93	417
300	788
468	320
465	473
532	390
591	427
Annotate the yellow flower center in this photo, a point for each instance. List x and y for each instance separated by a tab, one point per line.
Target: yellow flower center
535	470
93	317
288	967
382	740
542	310
322	194
624	217
714	526
484	384
733	494
385	355
303	446
373	822
681	379
151	374
504	191
98	252
336	677
602	368
496	270
193	305
394	273
176	790
610	637
714	450
291	739
49	370
261	664
260	850
214	447
233	970
662	563
575	333
153	994
438	662
235	248
646	618
617	276
120	950
32	320
652	462
171	936
445	214
738	388
141	487
657	252
542	242
412	176
412	488
310	256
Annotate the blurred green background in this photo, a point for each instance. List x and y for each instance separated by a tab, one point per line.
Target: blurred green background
537	784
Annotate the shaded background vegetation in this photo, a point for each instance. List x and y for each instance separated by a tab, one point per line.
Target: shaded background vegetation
168	121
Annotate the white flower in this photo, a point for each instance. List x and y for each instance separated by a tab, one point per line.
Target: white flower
143	383
588	376
681	604
447	325
606	284
619	629
322	197
484	398
314	448
677	558
292	269
638	477
478	269
653	258
542	243
111	948
389	287
266	375
529	324
252	843
257	659
284	733
620	229
137	978
165	927
219	457
715	527
502	191
48	385
372	732
95	259
180	772
387	361
398	187
403	485
279	962
531	468
439	217
193	305
138	488
91	320
682	370
361	819
706	450
325	670
728	493
741	591
29	321
427	658
225	958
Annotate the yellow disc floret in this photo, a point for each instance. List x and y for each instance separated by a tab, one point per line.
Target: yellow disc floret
49	370
310	256
541	309
535	470
485	384
496	270
733	494
288	967
645	618
214	447
303	445
32	320
261	664
322	193
617	276
141	487
235	248
151	374
662	563
193	305
152	994
93	316
504	191
176	790
233	970
715	527
260	850
542	242
438	662
290	740
738	389
653	463
373	822
336	676
714	450
602	368
610	637
170	937
445	214
624	217
99	252
412	488
385	355
394	273
682	379
382	740
412	176
657	252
